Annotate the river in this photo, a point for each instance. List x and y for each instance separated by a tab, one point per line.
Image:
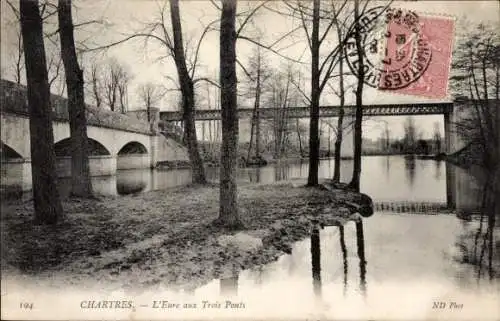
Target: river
384	178
391	266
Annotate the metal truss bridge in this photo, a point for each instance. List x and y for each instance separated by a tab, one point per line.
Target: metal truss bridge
442	108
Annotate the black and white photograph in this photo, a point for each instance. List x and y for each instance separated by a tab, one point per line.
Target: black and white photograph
250	160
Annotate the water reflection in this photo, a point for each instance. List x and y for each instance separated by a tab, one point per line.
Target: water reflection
411	251
438	172
229	286
281	172
133	182
386	163
255	175
410	169
360	241
421	183
316	262
477	242
343	248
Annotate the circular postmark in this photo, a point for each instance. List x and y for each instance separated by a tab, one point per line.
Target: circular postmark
395	50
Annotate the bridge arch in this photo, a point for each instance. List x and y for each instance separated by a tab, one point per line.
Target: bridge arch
133	147
133	155
63	148
7	152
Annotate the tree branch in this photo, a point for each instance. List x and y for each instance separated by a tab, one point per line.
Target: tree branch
248	17
196	55
270	49
208	80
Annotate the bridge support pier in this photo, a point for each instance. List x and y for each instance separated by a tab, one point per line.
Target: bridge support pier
447	132
451	186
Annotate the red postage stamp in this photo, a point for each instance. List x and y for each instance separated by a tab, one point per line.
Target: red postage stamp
405	52
424	59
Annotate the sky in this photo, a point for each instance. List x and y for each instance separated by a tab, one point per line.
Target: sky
124	17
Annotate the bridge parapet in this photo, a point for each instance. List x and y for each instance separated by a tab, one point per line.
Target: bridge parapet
172	131
13	98
440	108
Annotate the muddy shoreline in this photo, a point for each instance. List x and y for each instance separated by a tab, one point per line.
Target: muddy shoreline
167	237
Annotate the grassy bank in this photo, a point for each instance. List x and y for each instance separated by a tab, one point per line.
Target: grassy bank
165	236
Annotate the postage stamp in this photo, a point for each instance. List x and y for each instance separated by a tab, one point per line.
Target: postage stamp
405	52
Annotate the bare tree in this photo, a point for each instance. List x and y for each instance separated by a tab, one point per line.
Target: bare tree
322	67
115	83
387	136
341	95
95	81
172	40
80	171
187	89
150	95
47	204
476	69
228	214
257	77
314	43
356	172
477	73
410	137
18	64
54	62
280	98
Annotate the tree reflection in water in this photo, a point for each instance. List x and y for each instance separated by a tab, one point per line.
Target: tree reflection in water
360	238
478	246
344	255
316	259
316	262
387	167
254	175
489	208
437	173
410	169
229	286
281	171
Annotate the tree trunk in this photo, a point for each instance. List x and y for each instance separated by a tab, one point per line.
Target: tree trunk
80	172
95	89
356	172
312	179
340	120
299	138
257	133
255	116
47	204
228	214
187	90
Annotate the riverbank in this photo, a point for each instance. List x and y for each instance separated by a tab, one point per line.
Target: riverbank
165	237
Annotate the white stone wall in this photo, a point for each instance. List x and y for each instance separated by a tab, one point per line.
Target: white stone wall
169	150
133	161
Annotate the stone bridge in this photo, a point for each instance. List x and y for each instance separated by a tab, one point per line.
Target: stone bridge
117	141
